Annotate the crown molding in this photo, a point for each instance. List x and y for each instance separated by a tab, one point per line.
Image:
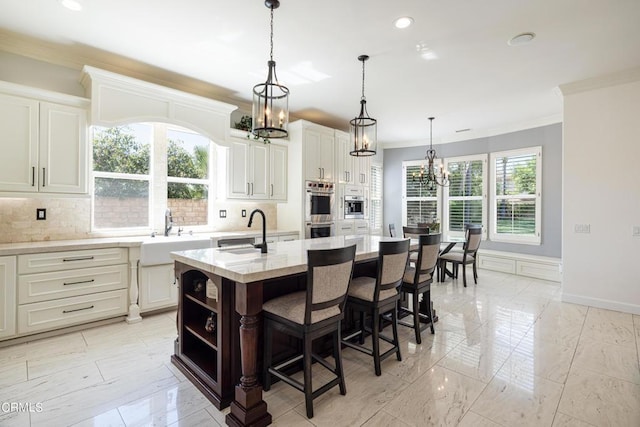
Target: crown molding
613	79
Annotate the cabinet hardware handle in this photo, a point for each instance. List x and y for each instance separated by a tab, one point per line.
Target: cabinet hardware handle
78	283
33	176
252	188
78	309
320	172
271	190
248	193
79	258
44	174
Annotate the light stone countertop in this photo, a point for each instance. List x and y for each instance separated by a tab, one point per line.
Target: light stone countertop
247	265
20	248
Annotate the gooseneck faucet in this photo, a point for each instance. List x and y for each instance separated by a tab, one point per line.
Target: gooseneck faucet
168	222
263	245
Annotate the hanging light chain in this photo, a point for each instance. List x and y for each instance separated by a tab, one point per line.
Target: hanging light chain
363	97
271	39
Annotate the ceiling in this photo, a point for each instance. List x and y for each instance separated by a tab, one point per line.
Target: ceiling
476	80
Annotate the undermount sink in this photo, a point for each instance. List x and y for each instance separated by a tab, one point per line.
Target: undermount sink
241	251
156	250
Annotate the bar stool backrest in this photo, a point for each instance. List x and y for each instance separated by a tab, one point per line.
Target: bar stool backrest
414	232
428	251
392	262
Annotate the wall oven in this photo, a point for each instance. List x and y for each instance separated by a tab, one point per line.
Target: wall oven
319	209
353	207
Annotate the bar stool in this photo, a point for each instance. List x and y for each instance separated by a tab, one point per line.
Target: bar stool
308	315
378	296
417	280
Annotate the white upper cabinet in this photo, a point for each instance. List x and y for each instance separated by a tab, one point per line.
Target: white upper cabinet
44	146
350	169
256	170
318	154
278	166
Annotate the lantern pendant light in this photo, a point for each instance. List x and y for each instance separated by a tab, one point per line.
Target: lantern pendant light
364	129
270	112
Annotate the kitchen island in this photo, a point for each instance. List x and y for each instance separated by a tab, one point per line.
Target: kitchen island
243	278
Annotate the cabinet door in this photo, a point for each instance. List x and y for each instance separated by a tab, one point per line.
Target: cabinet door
63	149
278	171
311	141
238	185
8	301
158	287
363	170
344	161
326	156
19	137
259	171
345	228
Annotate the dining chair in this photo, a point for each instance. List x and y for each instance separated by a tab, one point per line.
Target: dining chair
417	281
467	256
310	314
376	297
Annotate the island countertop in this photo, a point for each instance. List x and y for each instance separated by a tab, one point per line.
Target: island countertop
246	264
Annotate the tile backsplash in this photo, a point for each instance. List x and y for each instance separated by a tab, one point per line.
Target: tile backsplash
70	218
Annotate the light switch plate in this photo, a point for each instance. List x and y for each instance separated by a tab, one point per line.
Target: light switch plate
223	213
582	228
244	213
41	214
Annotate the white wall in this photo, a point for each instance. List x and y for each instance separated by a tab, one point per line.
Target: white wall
601	176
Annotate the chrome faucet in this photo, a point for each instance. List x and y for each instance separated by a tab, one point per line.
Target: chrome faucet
168	222
263	245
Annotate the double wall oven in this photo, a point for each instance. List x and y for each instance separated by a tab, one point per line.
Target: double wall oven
319	209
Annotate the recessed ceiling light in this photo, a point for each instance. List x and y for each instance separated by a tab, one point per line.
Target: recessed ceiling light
403	22
523	38
71	5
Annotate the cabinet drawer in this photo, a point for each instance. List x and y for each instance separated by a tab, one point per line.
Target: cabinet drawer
68	283
41	316
54	261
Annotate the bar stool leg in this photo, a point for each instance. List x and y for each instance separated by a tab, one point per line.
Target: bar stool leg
375	340
416	317
308	389
394	327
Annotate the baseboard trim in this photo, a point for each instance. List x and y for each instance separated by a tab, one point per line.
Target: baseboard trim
601	303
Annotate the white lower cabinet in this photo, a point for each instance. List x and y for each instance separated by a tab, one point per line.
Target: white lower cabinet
7	297
345	228
158	287
60	289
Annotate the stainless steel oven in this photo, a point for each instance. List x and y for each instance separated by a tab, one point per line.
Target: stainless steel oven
353	207
319	209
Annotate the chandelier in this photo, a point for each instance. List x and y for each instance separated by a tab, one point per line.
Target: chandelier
270	112
428	177
363	128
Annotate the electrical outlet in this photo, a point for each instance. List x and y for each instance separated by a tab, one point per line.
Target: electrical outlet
636	230
41	214
582	228
244	213
223	213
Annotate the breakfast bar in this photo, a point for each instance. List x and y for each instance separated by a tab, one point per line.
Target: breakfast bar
243	278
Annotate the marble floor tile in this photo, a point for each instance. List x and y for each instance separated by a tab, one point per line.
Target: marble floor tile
552	328
126	364
54	385
471	419
542	358
14	419
197	419
218	415
564	420
609	326
384	419
609	359
110	418
99	398
292	419
164	407
12	373
459	323
439	397
479	360
600	400
366	394
517	397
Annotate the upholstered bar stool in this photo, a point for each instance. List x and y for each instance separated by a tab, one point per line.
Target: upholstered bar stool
378	296
308	315
467	256
417	281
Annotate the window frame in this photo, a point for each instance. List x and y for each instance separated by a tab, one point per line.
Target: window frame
534	239
378	197
446	198
405	199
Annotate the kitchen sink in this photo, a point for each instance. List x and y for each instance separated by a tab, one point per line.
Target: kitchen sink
156	250
241	251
